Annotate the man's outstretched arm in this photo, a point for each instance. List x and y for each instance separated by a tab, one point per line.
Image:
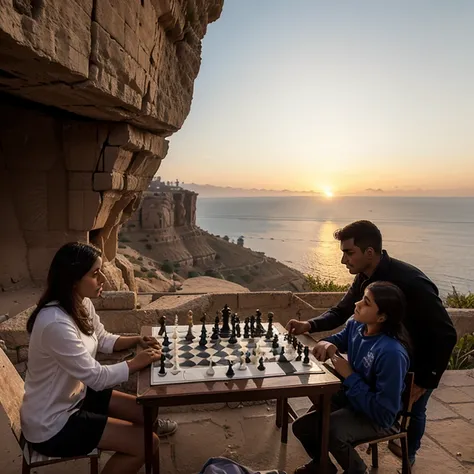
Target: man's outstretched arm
339	314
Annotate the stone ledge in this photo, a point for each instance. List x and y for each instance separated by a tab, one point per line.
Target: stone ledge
115	300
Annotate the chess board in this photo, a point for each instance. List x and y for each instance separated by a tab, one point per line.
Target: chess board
195	360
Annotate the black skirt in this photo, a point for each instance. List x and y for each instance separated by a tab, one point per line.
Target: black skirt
83	430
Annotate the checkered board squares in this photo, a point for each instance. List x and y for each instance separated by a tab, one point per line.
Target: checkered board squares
194	360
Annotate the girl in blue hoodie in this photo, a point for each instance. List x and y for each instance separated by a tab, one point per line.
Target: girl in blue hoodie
377	345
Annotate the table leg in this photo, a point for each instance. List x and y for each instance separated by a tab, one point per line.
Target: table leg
284	425
325	401
148	433
279	413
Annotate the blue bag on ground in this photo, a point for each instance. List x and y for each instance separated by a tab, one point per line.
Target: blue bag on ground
222	465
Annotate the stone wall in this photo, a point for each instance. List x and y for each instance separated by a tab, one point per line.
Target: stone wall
114	78
119	314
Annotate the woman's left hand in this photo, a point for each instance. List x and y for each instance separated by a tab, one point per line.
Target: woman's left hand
341	365
149	341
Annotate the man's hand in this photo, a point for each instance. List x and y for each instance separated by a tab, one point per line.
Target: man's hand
416	393
342	366
324	350
149	341
296	327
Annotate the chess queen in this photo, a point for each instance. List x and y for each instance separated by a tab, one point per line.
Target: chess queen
69	408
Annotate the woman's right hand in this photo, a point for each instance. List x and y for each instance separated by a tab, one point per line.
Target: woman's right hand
143	359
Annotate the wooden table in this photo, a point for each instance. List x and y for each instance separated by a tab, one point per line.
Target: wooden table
151	397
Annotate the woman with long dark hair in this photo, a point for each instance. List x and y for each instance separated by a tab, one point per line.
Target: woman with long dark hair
69	408
377	347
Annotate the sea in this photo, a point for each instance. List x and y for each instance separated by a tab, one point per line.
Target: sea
436	234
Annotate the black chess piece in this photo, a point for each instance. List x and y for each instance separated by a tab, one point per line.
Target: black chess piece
259	329
166	342
233	338
215	333
300	351
252	325
306	356
260	365
162	326
225	329
275	342
190	336
203	339
282	357
269	334
230	371
162	370
237	326
295	343
247	357
246	329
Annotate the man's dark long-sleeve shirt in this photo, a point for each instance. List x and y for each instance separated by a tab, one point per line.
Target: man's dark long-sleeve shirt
427	321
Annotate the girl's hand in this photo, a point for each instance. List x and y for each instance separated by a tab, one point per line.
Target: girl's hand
149	341
342	366
324	350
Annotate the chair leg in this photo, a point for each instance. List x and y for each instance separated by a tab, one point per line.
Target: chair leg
375	455
94	465
25	469
406	468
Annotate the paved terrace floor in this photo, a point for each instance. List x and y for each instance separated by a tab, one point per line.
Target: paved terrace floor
248	434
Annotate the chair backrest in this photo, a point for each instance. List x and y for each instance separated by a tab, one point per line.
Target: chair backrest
12	389
406	400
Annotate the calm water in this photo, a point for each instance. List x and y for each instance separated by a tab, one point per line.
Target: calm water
434	234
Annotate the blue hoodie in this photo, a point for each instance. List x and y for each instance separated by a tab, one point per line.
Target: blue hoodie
380	364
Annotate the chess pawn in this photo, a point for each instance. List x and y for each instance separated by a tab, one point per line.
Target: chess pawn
230	371
190	318
243	364
166	341
190	336
246	329
275	342
233	338
215	333
282	357
247	357
237	326
260	364
210	371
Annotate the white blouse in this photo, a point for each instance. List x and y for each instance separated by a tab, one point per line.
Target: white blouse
61	364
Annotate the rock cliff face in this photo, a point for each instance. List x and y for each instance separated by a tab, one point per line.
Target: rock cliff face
164	233
164	228
114	78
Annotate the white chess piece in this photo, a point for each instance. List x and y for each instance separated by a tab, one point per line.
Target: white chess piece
175	369
243	365
210	371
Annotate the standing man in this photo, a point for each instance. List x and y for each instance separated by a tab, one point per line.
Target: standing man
427	321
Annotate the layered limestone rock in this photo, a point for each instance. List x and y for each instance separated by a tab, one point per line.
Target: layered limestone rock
121	60
114	77
164	228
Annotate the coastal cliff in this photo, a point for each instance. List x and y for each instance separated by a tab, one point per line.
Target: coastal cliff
166	247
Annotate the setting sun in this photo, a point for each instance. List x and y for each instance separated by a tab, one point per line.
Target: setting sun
328	193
